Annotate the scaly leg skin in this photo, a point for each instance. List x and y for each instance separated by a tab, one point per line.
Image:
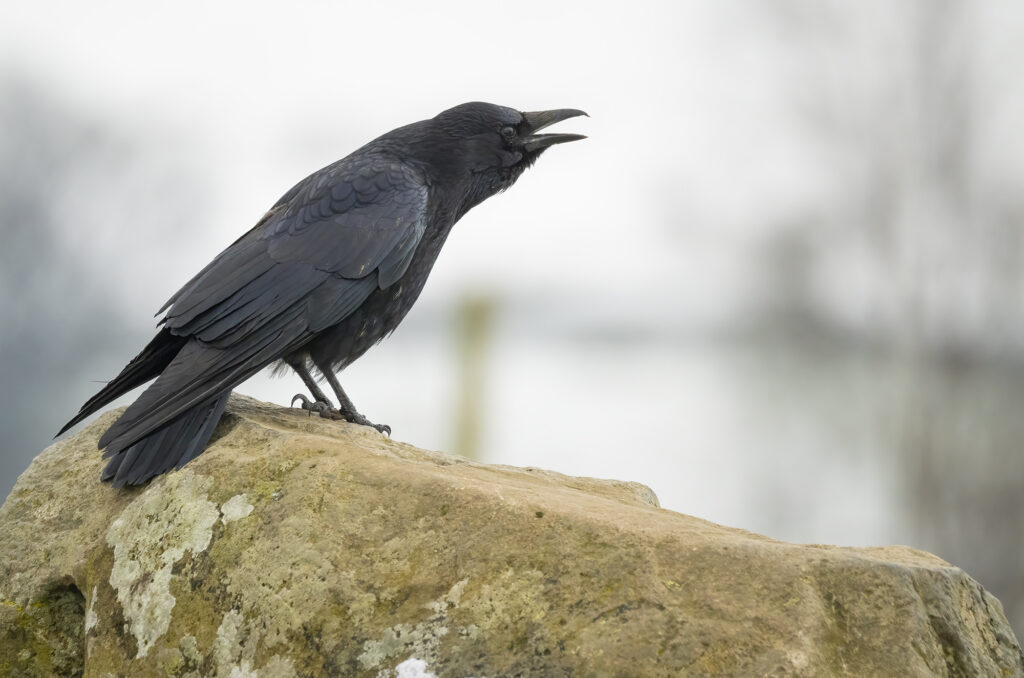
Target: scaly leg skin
346	409
321	402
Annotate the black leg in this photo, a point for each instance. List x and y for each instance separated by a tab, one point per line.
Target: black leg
345	407
320	402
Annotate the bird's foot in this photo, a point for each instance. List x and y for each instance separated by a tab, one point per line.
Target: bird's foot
328	411
357	418
311	406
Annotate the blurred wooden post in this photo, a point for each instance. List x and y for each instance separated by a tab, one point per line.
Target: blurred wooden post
473	322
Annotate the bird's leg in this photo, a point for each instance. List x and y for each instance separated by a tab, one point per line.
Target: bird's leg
320	403
346	409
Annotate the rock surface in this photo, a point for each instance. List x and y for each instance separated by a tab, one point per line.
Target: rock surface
301	547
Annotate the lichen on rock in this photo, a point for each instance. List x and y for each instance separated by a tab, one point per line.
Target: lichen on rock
235	508
234	652
421	640
149	536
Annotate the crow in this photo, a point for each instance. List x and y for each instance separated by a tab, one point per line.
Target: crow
330	270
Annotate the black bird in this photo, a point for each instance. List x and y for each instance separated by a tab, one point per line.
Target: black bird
328	272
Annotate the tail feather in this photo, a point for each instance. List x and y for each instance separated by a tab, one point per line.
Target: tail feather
150	362
173	446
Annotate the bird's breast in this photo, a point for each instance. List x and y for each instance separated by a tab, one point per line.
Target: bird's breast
380	314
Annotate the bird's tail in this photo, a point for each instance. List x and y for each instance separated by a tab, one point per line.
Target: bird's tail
172	446
150	362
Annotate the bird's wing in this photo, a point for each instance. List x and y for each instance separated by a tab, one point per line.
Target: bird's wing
315	257
339	223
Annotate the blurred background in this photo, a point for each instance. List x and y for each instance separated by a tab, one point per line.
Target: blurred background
781	284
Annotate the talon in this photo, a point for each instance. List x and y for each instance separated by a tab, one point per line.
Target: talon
311	406
383	428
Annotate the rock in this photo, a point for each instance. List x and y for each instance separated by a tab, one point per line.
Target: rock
301	547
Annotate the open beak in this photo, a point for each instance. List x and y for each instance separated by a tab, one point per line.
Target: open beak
538	120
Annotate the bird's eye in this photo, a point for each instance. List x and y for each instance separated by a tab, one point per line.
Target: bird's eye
508	132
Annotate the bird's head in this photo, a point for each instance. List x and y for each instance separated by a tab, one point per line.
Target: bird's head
485	148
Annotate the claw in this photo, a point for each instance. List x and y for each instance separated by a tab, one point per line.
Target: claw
311	406
327	411
363	421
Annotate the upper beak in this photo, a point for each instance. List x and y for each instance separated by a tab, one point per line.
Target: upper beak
538	120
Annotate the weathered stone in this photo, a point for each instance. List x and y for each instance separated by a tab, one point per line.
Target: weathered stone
301	547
